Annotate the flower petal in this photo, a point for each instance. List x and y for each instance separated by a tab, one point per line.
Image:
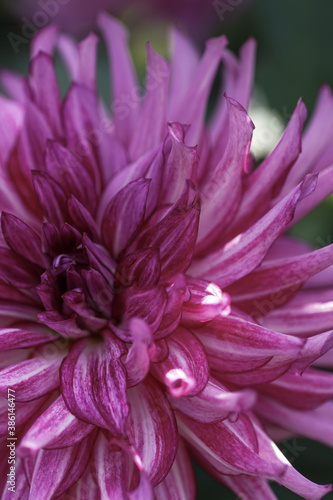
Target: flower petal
55	471
93	383
151	429
245	252
32	378
215	403
179	484
175	234
55	428
124	216
185	371
152	128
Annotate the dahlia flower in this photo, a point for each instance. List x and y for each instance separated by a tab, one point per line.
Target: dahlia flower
152	305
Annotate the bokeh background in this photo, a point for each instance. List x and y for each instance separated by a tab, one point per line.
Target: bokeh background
295	58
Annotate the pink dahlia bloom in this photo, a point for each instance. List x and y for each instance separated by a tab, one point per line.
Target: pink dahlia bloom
151	302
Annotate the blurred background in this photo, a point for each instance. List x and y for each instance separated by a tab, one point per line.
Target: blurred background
295	48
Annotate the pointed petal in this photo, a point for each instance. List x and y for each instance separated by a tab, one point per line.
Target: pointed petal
315	424
215	403
32	378
221	193
93	383
146	304
249	487
51	197
17	233
13	338
56	470
18	271
152	128
316	138
151	429
229	448
180	164
185	60
70	174
307	313
55	428
114	470
304	392
123	80
177	293
242	351
45	91
142	268
276	281
245	252
175	235
124	216
179	484
265	182
193	106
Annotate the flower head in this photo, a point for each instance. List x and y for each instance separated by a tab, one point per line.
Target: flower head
151	303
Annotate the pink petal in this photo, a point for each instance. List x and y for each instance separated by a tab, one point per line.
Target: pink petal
17	270
152	128
93	383
87	55
125	104
179	484
185	371
32	378
151	429
70	174
249	487
314	424
141	268
55	471
124	216
215	403
13	338
185	60
137	361
148	305
51	197
266	180
82	122
245	252
44	41
16	234
180	164
316	138
229	448
45	91
177	293
304	392
193	106
175	235
115	469
307	313
276	281
205	303
222	191
55	428
243	352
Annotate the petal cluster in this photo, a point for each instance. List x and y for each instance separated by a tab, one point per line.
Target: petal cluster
152	304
